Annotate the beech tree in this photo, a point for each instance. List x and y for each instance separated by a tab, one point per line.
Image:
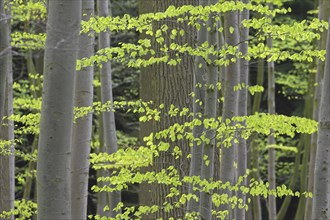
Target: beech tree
109	127
4	53
271	139
7	163
242	106
323	14
82	129
232	74
210	112
54	151
199	95
321	173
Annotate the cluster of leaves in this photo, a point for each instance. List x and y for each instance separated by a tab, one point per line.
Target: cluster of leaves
133	55
127	163
23	210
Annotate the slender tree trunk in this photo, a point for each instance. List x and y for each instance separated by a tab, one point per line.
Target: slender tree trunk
210	111
227	170
53	168
5	54
271	139
199	95
221	93
82	129
256	206
102	197
242	107
321	194
7	161
110	135
324	6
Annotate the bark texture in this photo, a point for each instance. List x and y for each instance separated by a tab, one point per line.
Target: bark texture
321	193
210	111
227	169
242	107
109	126
271	142
7	160
53	168
170	85
271	139
146	95
5	53
82	129
324	6
199	95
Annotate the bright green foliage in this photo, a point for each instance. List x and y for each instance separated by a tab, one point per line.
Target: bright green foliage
132	54
23	210
127	162
295	83
28	41
5	147
27	10
191	13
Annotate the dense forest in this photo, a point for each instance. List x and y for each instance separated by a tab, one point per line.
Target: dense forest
164	109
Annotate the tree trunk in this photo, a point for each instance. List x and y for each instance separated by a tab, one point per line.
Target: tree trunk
7	162
210	111
170	85
53	168
5	54
271	139
321	194
199	95
102	197
110	135
324	6
82	129
242	107
227	170
146	86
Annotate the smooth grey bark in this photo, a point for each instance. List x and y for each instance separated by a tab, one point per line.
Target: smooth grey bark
271	139
199	95
53	168
324	6
5	53
210	111
110	135
102	197
221	72
7	161
242	107
82	129
321	193
227	170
